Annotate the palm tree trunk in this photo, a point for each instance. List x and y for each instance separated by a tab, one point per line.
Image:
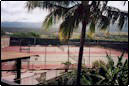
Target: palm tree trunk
68	50
82	41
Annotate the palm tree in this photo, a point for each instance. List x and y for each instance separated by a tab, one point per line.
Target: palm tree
72	13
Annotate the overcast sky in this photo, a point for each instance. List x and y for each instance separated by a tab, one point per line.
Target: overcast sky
15	11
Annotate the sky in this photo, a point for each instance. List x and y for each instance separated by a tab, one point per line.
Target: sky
15	11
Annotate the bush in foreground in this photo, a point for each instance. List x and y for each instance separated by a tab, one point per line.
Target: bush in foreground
100	74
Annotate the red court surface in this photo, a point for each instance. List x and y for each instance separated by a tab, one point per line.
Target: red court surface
54	53
93	50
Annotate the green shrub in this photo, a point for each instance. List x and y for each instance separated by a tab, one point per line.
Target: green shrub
25	35
67	63
98	64
99	74
117	74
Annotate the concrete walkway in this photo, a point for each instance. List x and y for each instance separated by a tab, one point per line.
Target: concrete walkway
30	77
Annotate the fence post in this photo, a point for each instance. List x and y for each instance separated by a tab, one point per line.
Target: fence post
34	40
68	52
110	51
89	53
28	64
56	73
20	44
45	55
18	66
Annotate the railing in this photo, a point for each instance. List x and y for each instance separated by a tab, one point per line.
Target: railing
34	77
6	82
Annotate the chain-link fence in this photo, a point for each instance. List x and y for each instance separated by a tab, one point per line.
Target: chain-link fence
50	66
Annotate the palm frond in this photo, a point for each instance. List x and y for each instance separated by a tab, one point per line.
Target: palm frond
49	5
48	21
91	31
120	58
115	17
65	3
31	5
67	27
85	81
54	17
110	61
124	2
112	13
70	23
61	13
104	23
70	11
121	22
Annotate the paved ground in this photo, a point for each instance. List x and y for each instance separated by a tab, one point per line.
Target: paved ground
31	77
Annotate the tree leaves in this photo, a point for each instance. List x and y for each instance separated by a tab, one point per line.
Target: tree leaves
104	23
67	27
91	30
64	9
91	76
70	23
54	17
117	74
121	22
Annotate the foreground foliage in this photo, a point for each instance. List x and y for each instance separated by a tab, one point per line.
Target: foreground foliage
100	74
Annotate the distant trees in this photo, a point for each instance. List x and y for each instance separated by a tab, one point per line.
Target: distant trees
25	35
33	34
2	32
